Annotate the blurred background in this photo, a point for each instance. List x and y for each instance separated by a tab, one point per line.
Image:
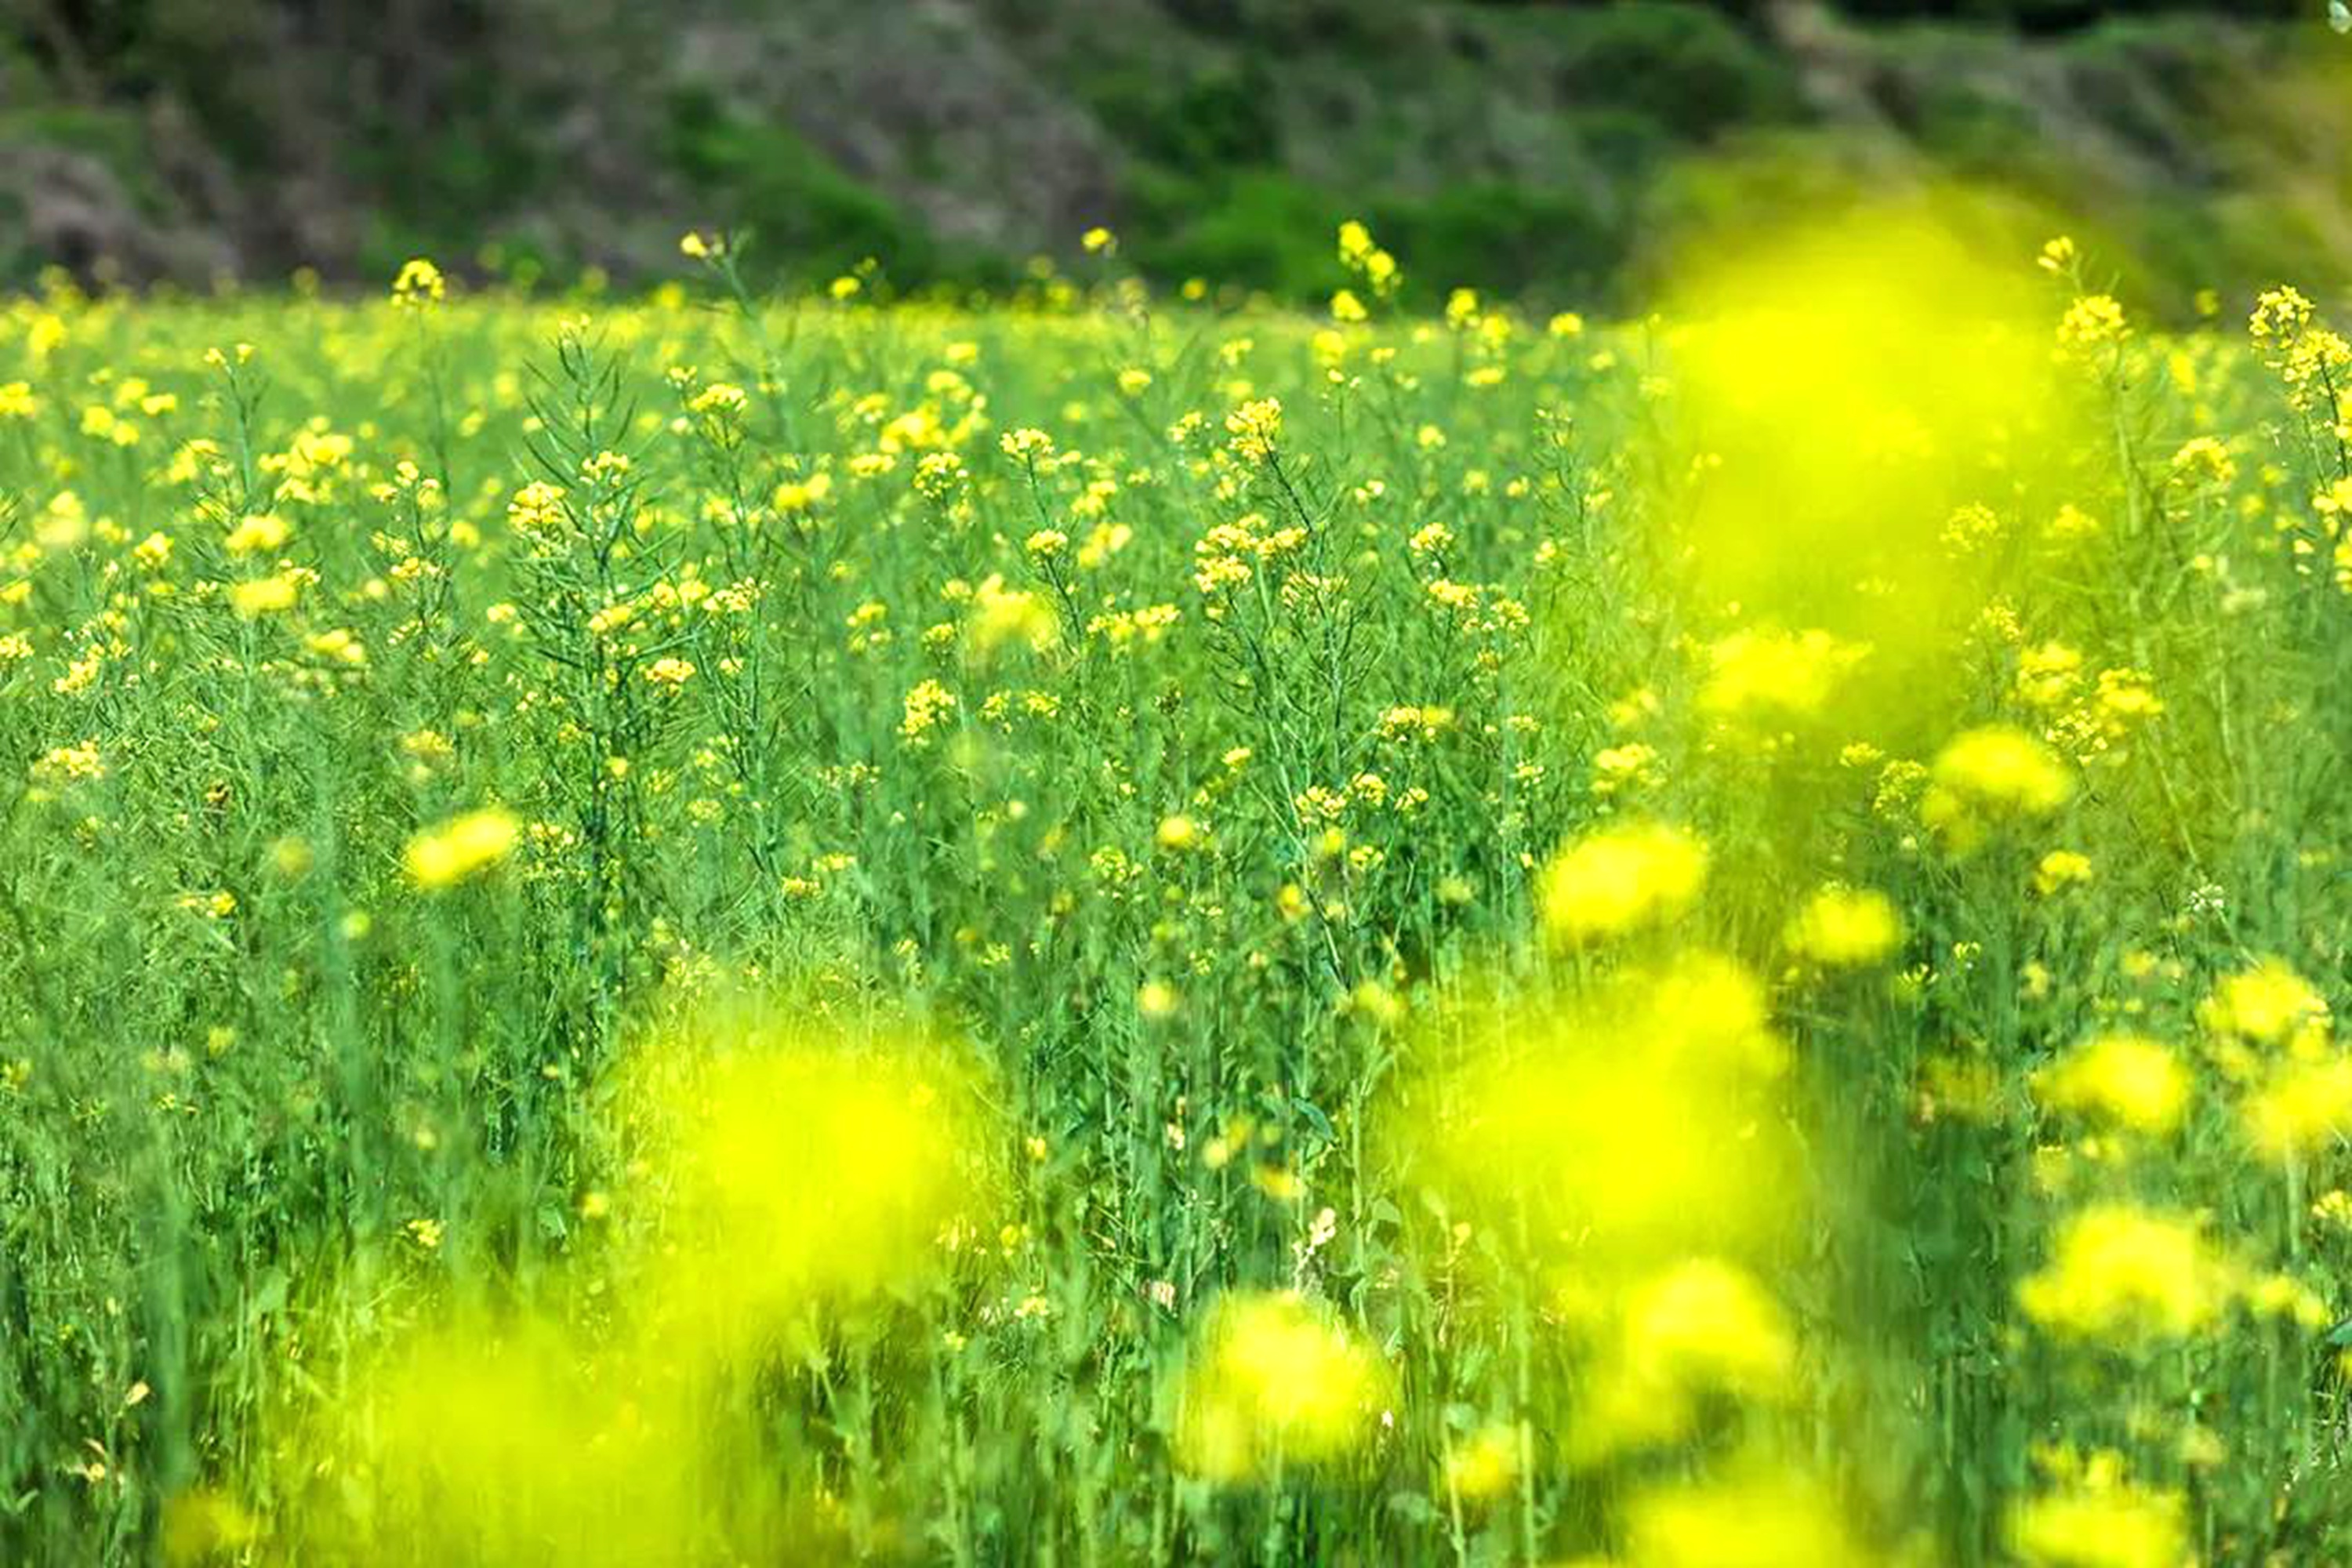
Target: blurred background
1560	152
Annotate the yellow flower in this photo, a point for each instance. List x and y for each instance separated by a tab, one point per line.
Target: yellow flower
853	1191
2091	320
1703	1328
2126	696
1629	766
264	595
418	285
338	645
2061	870
1620	878
1990	775
801	495
447	854
2300	1107
721	401
1630	1129
1361	255
1485	1466
1027	444
2047	673
2102	1522
1256	426
257	535
1845	928
2265	1005
2125	1079
536	508
1276	1382
2203	460
203	1526
1775	676
69	765
2124	1274
1001	615
1763	1520
927	705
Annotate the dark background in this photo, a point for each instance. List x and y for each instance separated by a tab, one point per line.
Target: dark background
1557	150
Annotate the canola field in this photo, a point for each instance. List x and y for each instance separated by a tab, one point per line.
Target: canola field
1091	929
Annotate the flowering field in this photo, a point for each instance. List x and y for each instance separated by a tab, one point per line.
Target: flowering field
1088	929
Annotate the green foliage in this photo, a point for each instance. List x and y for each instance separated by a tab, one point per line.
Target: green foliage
1194	125
1260	229
1682	65
769	180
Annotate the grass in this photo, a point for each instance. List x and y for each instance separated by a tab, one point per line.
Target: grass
1084	928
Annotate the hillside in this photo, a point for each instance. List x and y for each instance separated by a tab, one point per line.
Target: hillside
1557	149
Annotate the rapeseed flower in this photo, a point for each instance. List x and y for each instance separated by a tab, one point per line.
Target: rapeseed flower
1484	1466
1625	1130
2126	1276
784	1171
1704	1329
1619	879
1763	1519
2061	870
418	285
2126	1080
1987	777
1776	677
461	847
2100	1519
2300	1106
2267	1004
1275	1381
1845	928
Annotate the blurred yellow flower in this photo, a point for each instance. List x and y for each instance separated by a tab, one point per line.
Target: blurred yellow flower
264	595
2124	1275
1766	1519
2300	1106
1485	1465
1845	928
1776	677
2127	1080
447	854
1620	878
2101	1521
1987	776
1276	1382
1702	1330
2266	1005
2061	870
